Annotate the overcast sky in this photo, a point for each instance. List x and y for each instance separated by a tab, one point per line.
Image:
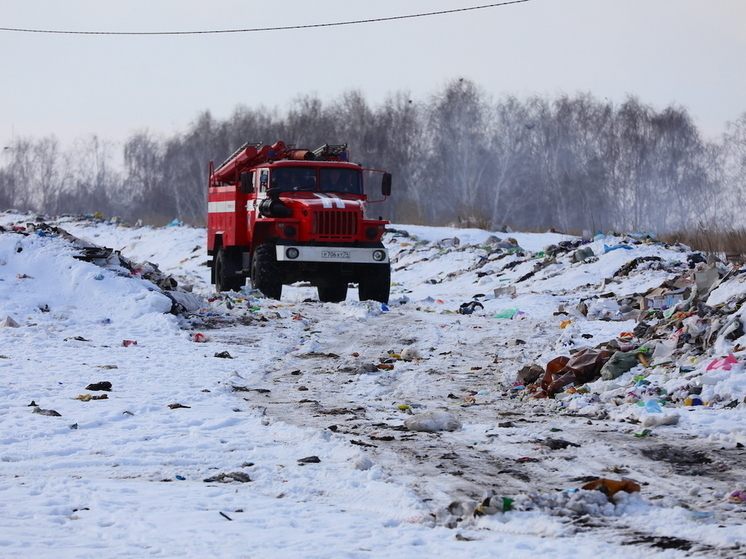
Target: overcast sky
688	52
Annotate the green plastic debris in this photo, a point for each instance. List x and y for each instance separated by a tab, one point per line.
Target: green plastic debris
618	364
507	313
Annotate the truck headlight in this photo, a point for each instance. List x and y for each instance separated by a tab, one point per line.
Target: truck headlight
292	253
379	255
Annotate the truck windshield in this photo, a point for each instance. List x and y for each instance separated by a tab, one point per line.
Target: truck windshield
341	180
288	179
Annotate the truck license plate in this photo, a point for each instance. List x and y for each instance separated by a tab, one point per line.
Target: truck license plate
335	254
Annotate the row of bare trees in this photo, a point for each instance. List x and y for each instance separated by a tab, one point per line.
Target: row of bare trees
569	162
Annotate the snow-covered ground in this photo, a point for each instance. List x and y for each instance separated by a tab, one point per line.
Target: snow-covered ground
249	427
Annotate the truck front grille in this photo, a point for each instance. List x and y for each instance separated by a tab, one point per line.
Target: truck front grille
333	223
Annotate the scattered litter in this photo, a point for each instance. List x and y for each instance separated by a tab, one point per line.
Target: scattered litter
615	247
8	322
584	366
76	339
432	421
660	298
725	363
103	385
494	504
316	354
507	313
661	420
470	307
611	487
51	413
583	254
228	478
557	444
529	374
737	496
89	397
619	363
507	290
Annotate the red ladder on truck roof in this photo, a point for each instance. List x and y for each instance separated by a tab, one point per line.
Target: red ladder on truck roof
250	155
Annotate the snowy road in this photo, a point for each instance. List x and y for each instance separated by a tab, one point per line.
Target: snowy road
325	378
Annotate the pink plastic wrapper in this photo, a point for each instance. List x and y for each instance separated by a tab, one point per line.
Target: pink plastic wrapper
725	363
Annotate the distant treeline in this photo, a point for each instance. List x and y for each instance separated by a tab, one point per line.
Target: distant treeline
460	156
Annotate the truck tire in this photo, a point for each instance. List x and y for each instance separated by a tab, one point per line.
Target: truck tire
376	283
225	268
265	273
332	291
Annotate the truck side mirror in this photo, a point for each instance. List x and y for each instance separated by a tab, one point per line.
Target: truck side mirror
386	184
247	183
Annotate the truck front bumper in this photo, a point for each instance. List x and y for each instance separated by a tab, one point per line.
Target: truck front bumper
292	253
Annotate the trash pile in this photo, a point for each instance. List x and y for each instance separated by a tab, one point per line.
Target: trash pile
681	329
182	299
688	338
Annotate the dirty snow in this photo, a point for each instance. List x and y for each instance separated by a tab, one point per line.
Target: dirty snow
260	428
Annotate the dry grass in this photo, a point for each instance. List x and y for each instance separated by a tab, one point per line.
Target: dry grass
712	241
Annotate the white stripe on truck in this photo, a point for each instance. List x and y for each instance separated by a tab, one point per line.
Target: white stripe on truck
221	207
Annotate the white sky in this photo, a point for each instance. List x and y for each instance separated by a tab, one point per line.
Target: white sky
689	52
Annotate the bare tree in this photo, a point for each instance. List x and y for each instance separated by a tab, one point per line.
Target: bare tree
510	149
732	168
400	148
95	181
459	134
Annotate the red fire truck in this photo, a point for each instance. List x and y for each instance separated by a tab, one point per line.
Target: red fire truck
280	215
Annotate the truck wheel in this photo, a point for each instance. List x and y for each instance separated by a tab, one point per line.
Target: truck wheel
265	273
332	292
225	268
376	284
